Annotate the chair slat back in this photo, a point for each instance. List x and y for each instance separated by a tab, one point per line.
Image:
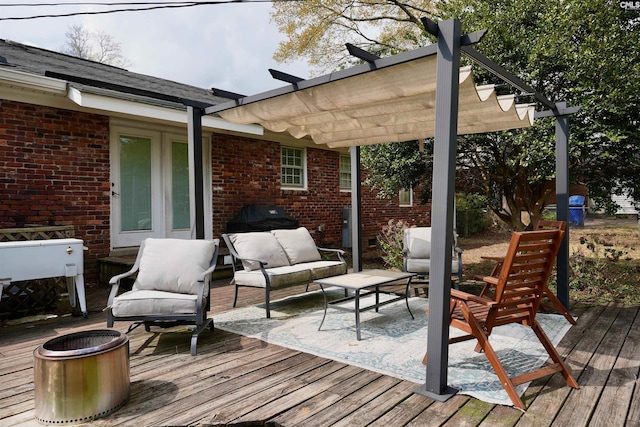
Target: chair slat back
551	225
525	271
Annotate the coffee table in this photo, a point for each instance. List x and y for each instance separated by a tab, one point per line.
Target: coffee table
357	282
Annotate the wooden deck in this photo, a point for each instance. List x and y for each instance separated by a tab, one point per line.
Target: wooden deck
240	381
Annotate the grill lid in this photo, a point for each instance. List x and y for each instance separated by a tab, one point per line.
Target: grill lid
261	218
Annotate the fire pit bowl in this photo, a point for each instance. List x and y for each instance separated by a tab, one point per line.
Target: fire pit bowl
81	376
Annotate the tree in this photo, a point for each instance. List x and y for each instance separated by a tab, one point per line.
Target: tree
584	52
96	46
318	29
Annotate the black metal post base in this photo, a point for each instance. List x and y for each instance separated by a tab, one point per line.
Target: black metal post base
443	397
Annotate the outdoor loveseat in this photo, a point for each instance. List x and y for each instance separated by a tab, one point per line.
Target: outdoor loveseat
278	259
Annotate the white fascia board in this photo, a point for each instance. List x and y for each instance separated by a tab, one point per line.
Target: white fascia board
104	103
32	81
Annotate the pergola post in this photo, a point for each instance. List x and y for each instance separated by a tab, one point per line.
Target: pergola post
442	203
196	172
562	202
356	209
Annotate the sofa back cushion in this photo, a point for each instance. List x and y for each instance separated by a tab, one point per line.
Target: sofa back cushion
417	242
259	245
298	245
174	265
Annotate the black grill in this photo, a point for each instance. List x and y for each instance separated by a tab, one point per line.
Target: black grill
261	218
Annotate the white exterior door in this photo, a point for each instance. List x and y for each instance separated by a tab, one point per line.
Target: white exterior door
150	186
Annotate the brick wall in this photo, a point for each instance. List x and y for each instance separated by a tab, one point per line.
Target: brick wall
247	172
54	170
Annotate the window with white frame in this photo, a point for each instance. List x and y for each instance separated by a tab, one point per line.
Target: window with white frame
405	197
292	167
345	172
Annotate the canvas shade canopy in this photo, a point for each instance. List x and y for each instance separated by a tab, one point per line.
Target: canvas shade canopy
391	102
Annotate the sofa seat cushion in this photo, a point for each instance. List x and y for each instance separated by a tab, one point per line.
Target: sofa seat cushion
279	277
298	245
323	269
147	302
420	265
259	245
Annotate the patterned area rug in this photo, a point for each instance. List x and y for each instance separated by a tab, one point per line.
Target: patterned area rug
392	343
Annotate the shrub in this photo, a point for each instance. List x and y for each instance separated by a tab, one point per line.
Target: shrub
390	243
597	273
471	214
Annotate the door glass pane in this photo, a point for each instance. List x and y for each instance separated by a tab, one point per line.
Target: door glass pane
135	183
180	185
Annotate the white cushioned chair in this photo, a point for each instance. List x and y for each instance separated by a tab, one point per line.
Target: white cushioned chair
171	288
417	254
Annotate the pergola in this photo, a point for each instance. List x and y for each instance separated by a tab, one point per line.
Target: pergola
410	96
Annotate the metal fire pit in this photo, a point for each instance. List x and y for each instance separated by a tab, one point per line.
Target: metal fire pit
81	376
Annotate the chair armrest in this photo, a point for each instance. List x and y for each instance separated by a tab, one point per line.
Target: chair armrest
115	283
338	252
464	296
207	272
116	279
490	280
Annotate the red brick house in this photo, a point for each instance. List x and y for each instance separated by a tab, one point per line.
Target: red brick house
105	150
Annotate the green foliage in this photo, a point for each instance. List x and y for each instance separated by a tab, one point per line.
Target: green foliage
390	243
471	214
395	167
582	52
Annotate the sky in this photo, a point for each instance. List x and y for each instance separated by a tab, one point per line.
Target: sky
226	46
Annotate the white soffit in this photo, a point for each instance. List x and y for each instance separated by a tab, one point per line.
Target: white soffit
391	104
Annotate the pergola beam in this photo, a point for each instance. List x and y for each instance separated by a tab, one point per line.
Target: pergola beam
284	77
226	94
361	53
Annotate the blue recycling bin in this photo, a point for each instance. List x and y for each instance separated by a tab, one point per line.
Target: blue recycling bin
576	210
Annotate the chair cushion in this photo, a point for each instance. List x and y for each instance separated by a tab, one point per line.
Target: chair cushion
259	245
417	242
298	245
423	265
279	277
173	265
153	303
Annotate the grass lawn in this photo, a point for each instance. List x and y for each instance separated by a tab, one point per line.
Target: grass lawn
604	259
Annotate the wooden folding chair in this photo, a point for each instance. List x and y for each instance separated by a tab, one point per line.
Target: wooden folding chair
555	302
519	287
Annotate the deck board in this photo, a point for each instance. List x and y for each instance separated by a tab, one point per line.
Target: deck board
579	405
235	380
612	406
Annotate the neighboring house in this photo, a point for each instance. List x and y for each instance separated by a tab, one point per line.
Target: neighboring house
626	205
105	150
